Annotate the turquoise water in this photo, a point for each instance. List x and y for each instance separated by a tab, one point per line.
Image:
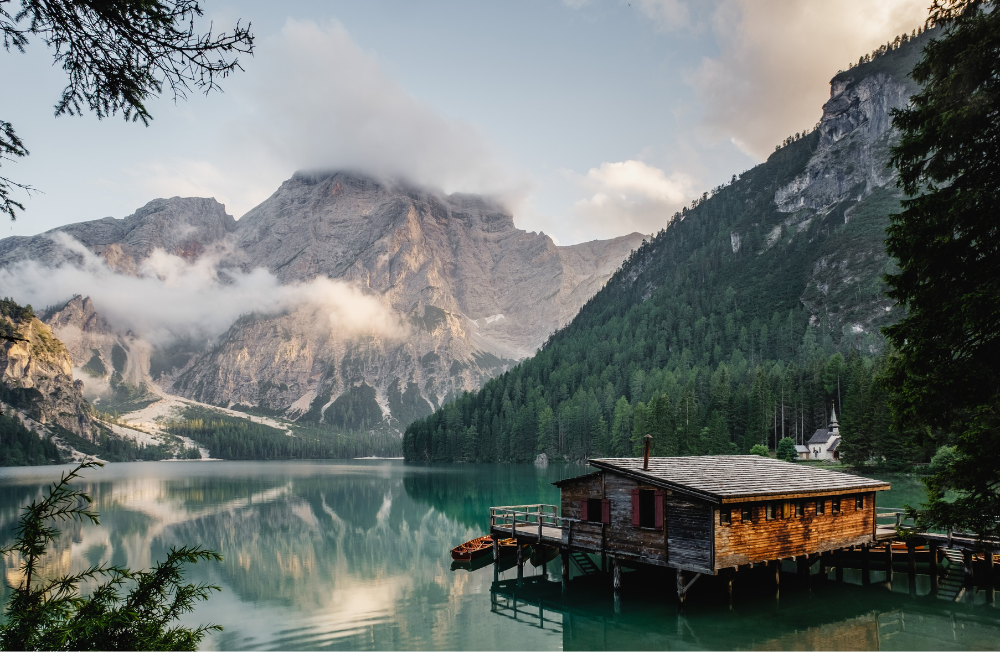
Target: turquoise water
354	555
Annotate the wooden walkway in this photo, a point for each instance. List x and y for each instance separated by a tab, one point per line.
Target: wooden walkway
530	531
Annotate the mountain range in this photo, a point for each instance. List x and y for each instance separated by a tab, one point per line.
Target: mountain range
386	297
751	316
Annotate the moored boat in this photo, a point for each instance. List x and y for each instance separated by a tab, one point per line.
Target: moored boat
473	549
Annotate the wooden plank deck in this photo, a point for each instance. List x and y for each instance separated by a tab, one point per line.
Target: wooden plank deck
530	531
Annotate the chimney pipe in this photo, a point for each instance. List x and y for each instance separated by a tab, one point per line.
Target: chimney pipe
645	454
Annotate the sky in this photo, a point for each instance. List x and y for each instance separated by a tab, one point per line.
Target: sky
587	118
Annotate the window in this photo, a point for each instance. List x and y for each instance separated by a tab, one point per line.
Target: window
800	508
859	503
820	507
746	514
786	510
725	516
594	510
835	506
647	508
647	504
773	511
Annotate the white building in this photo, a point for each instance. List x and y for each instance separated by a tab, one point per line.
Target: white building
824	442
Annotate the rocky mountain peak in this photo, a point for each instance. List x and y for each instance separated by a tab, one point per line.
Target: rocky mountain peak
184	226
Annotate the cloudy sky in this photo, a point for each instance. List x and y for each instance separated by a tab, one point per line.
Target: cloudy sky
591	118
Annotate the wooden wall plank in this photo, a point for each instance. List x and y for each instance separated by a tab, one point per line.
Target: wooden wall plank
762	540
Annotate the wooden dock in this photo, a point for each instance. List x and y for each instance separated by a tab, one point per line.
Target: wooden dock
541	526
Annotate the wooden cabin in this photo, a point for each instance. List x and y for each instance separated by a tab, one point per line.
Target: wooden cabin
707	513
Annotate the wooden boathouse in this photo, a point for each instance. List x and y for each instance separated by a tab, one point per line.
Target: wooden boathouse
698	515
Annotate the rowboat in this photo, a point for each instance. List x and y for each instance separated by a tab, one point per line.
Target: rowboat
473	549
508	547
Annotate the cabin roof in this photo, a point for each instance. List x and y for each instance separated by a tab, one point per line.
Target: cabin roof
821	436
737	478
560	483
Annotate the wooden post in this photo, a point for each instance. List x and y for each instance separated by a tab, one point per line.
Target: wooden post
865	566
967	566
496	558
802	568
911	565
933	545
730	575
777	573
564	554
604	556
911	557
888	562
520	564
990	576
681	594
617	573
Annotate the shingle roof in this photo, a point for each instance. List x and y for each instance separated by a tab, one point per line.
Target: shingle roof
833	445
819	437
735	478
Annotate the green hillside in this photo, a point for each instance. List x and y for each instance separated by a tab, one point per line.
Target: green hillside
735	325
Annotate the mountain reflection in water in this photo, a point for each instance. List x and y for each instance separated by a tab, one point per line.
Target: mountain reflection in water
354	555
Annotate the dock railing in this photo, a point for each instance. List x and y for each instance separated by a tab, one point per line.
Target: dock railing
897	519
534	519
893	517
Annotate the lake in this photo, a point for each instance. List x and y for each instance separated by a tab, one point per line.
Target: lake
354	555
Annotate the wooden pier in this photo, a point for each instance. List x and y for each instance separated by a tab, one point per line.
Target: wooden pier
717	515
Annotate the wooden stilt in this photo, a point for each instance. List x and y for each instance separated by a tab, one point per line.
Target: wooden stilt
990	577
682	587
934	565
866	578
967	559
564	555
911	565
888	562
520	564
777	573
730	576
496	558
911	557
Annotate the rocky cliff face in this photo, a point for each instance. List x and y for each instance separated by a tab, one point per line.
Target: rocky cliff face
848	177
183	226
472	292
36	373
475	292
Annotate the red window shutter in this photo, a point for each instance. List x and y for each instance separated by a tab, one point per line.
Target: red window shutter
658	512
583	510
606	511
635	507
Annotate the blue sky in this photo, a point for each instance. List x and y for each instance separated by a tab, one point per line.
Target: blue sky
590	119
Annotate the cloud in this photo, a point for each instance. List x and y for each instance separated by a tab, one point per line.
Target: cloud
776	58
173	298
630	196
320	102
668	15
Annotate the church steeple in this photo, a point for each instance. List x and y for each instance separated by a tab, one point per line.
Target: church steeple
834	428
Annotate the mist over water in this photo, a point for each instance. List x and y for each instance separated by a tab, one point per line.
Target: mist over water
354	555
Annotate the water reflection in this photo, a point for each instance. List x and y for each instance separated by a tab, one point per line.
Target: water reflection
353	555
826	617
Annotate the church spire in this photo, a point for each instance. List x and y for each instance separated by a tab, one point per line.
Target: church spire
834	428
